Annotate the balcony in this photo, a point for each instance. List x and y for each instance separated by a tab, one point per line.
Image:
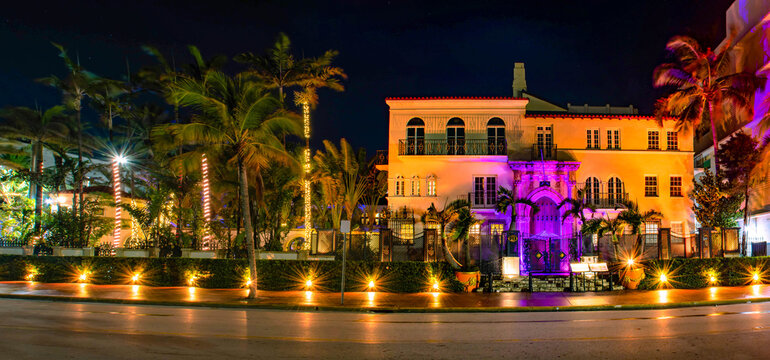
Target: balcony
451	147
481	199
606	200
543	152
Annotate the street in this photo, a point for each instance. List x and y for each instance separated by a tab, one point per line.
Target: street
58	330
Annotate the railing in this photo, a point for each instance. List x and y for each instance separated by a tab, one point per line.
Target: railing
543	152
451	147
605	200
481	199
12	243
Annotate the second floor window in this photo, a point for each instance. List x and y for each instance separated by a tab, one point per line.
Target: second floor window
653	140
651	186
592	190
431	186
592	138
676	186
496	136
455	136
484	190
415	186
415	137
613	139
672	140
615	190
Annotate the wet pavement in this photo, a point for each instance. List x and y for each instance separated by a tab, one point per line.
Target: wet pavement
381	301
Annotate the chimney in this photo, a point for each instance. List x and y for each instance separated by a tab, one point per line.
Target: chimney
519	79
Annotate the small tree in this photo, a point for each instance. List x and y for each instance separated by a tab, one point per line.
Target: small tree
443	217
713	204
506	198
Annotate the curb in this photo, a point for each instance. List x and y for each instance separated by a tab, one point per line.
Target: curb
339	308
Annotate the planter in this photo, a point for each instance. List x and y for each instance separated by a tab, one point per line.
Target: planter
203	254
470	279
632	278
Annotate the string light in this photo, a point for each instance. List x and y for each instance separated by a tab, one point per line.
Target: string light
117	190
206	201
306	182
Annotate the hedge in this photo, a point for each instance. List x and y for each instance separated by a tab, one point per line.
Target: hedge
695	273
232	273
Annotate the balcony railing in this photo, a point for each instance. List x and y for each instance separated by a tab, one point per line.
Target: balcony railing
481	199
606	200
451	147
381	158
544	152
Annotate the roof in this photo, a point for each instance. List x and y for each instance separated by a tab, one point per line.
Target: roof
578	115
455	98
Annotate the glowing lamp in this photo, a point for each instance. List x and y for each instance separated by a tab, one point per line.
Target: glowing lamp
755	277
191	280
83	277
371	284
435	286
120	159
248	282
663	278
712	279
135	277
30	277
630	262
309	283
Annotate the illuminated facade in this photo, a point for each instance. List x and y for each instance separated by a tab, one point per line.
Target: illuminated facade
443	149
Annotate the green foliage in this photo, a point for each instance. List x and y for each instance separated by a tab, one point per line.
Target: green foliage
713	204
60	228
228	273
694	273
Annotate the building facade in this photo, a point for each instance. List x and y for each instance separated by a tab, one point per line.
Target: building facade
443	149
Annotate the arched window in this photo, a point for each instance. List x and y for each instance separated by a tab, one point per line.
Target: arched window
615	191
592	190
431	188
455	136
496	136
415	186
399	185
415	137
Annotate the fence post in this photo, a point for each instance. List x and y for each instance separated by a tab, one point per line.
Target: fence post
664	243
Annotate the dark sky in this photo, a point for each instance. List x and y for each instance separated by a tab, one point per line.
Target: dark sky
575	51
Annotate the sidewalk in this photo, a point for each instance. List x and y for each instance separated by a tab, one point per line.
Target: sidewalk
386	302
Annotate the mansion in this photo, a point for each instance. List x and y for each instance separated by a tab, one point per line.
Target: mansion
445	148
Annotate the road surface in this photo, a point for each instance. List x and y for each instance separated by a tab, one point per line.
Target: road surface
56	330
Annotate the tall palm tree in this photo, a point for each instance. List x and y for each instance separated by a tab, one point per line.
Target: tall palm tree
39	128
635	218
344	169
704	87
75	88
237	117
506	198
443	217
606	225
277	68
577	207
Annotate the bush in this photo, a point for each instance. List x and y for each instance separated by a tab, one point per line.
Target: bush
694	273
232	273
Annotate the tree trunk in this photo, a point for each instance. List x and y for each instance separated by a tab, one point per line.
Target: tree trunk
714	137
745	218
80	176
467	252
448	254
38	188
244	190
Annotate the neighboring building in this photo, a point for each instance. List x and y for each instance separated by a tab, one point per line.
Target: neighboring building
441	149
747	27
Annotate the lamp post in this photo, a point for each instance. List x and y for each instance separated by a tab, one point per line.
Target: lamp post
116	186
206	202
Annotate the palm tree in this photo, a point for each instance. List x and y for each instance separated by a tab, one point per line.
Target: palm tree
277	69
460	228
443	217
507	198
40	128
237	117
75	88
344	169
704	87
633	217
604	225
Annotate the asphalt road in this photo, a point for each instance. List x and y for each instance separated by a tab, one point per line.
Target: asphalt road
55	330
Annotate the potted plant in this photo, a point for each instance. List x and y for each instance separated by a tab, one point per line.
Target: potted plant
460	229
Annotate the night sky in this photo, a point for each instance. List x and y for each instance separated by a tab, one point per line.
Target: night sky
575	51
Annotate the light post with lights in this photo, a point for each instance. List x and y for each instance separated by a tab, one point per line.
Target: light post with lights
116	186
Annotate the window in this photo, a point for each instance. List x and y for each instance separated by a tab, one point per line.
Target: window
496	137
415	137
475	229
416	186
676	186
613	139
615	191
651	186
484	190
653	140
672	140
399	186
496	229
545	141
407	231
455	136
592	138
431	186
592	190
651	232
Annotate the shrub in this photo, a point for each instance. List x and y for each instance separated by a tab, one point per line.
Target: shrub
694	273
232	273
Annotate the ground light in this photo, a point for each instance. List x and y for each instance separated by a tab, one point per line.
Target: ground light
83	277
135	278
630	262
371	284
192	280
308	283
663	278
755	277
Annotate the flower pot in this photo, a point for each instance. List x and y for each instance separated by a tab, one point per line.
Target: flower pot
632	278
470	279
